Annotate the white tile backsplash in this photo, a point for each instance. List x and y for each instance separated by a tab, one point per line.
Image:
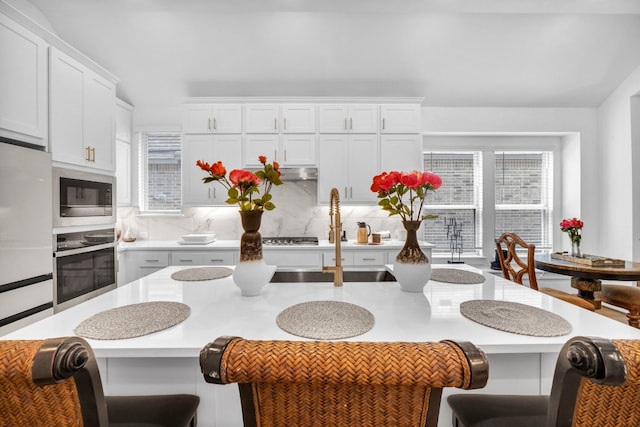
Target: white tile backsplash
296	214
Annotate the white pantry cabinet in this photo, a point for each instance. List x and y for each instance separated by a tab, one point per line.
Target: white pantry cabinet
210	149
82	116
212	118
400	118
123	151
348	118
23	83
348	163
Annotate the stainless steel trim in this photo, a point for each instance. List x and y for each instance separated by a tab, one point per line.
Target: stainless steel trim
93	248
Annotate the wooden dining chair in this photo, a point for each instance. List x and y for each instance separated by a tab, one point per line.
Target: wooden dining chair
522	270
338	383
56	382
596	384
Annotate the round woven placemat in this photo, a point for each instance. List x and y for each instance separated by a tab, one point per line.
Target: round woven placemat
515	317
325	320
201	273
133	320
452	275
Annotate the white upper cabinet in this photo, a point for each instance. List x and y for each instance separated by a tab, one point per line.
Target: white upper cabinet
298	118
348	118
124	120
400	118
260	145
82	115
262	118
23	83
212	118
280	118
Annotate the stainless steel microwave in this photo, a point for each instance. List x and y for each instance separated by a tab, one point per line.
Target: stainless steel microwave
83	198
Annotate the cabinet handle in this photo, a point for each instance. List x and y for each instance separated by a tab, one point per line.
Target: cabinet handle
152	260
351	192
285	123
216	260
275	123
88	158
351	123
285	156
186	260
215	124
209	193
368	259
93	154
383	123
214	192
346	194
209	123
345	123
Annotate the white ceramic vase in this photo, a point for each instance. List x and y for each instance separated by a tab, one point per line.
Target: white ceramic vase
252	276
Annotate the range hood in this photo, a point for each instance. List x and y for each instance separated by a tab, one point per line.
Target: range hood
299	174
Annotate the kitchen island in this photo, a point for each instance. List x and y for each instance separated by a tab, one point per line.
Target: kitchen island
167	361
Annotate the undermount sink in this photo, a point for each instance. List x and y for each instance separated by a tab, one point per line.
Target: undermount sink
318	276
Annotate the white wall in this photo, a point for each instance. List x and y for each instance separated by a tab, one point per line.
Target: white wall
619	188
577	126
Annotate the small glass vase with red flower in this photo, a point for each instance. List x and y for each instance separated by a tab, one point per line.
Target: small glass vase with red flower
573	227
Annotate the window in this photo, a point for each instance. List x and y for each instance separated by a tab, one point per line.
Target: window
524	196
457	203
160	172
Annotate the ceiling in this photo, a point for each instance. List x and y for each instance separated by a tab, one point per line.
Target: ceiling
494	53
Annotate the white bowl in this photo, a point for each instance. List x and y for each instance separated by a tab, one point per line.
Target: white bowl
198	238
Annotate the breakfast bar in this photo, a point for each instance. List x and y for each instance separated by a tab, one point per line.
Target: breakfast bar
167	361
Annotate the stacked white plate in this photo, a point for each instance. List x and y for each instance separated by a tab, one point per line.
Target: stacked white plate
197	239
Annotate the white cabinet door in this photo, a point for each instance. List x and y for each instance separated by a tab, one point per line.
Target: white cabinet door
363	118
124	120
210	149
66	109
333	166
260	145
348	118
82	124
298	150
401	153
363	166
197	118
123	172
99	121
298	118
23	82
262	118
400	118
212	118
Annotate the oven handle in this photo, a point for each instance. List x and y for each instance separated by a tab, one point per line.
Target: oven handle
93	248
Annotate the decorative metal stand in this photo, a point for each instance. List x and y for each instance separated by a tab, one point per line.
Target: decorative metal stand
454	234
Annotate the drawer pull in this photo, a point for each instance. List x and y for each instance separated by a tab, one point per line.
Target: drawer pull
152	260
186	260
368	259
216	260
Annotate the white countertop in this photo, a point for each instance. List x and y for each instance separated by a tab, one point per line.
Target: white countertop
217	308
235	245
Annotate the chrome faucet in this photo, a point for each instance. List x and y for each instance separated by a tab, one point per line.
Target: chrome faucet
335	231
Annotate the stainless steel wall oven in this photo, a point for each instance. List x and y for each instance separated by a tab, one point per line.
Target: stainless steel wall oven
84	266
83	198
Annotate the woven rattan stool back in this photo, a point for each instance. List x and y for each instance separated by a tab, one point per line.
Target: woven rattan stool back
50	383
601	405
337	383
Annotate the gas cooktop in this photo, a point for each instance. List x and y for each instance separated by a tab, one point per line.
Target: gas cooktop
289	241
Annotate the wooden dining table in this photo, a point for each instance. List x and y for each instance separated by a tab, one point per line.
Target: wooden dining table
587	279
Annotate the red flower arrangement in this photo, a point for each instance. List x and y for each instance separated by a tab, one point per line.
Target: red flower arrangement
393	186
572	227
242	185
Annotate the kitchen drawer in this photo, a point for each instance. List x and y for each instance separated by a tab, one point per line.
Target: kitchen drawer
329	258
153	259
368	258
293	259
219	258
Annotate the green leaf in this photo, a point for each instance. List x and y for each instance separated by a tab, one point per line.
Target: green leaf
233	192
269	206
